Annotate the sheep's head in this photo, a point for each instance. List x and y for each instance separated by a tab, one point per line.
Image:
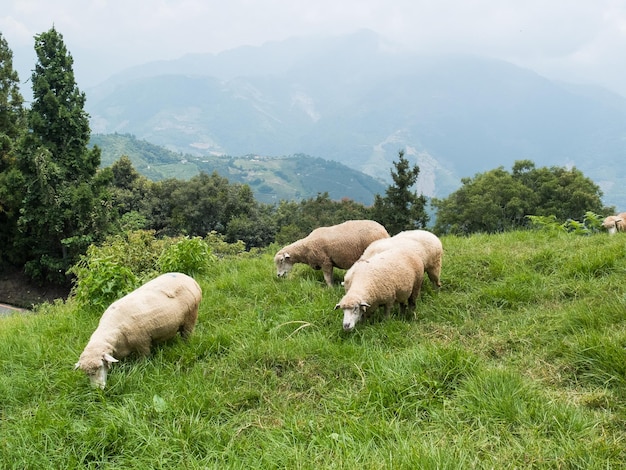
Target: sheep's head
96	368
611	223
283	263
352	313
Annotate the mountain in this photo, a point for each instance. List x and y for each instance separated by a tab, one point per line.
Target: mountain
356	100
271	179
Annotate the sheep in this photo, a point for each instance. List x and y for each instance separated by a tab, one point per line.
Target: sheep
392	276
156	311
428	246
615	223
327	247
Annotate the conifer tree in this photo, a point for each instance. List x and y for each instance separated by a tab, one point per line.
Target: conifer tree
401	208
63	210
12	127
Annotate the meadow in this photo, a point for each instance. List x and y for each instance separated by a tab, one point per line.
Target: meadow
518	361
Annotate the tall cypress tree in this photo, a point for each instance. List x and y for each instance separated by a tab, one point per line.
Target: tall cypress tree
62	211
401	208
12	127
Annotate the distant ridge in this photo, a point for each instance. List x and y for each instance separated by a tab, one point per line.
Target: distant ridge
356	100
271	179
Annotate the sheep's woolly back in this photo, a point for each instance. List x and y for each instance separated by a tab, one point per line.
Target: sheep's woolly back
343	244
387	277
156	311
335	246
430	250
428	246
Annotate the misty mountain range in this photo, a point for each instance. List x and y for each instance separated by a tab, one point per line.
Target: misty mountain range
355	100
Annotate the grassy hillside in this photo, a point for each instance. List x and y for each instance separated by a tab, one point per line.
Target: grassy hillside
517	362
271	178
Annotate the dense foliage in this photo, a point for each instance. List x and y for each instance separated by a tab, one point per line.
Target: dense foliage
499	200
12	128
401	208
124	262
517	362
64	199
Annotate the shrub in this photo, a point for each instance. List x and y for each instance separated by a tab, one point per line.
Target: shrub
107	272
101	279
221	247
191	256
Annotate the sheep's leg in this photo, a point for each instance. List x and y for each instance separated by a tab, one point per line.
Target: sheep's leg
188	325
413	297
388	310
328	275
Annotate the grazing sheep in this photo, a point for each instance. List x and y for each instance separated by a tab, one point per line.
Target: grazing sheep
156	311
615	223
428	246
392	276
431	252
327	247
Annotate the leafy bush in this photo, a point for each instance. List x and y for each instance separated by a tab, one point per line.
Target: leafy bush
107	272
221	247
123	262
545	222
191	256
591	223
101	279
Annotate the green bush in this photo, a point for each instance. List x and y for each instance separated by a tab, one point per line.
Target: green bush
107	272
111	270
220	247
191	256
101	279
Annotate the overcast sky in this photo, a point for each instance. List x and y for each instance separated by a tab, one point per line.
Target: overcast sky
582	41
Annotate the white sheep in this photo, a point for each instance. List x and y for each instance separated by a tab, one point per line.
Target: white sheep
615	223
156	311
428	247
392	276
327	247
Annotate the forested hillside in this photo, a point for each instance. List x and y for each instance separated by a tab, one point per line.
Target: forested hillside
272	179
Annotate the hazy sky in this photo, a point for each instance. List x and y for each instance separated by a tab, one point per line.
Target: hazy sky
581	41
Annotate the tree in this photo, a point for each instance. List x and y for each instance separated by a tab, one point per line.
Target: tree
490	202
129	195
498	200
565	193
65	206
12	128
401	208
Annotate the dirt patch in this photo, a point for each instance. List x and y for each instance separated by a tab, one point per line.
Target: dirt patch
17	289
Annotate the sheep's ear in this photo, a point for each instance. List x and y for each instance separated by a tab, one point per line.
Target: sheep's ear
77	365
287	255
107	357
336	307
364	306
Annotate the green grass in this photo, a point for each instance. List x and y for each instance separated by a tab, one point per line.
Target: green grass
519	361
